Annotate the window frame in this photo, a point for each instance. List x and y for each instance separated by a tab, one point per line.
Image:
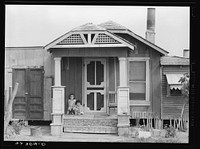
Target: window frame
147	90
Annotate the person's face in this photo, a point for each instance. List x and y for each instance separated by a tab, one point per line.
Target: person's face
78	104
72	97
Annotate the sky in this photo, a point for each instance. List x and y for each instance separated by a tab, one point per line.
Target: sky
38	25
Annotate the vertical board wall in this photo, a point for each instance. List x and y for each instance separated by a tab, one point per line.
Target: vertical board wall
71	77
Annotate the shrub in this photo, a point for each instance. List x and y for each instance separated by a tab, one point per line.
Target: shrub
170	131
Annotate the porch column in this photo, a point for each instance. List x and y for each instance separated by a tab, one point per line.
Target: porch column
58	100
123	109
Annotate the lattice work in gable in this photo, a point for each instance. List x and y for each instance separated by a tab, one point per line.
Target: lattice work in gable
73	39
103	38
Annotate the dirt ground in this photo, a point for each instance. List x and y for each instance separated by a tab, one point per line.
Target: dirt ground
182	137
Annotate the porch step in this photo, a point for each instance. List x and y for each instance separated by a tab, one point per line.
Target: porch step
91	129
90	124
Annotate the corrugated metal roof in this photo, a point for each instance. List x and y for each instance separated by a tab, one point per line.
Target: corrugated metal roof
25	48
110	25
174	60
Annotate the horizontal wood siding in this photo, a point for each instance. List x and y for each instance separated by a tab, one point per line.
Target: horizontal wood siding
171	107
71	77
92	52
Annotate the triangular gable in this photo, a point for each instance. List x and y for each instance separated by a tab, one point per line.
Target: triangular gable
89	35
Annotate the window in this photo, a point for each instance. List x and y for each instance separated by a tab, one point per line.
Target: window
139	79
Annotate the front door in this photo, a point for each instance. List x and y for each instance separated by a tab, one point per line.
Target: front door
95	85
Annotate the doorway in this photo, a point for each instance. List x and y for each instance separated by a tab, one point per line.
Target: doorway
95	85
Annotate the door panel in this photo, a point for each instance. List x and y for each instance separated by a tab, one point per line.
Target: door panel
35	94
95	89
20	101
28	103
90	101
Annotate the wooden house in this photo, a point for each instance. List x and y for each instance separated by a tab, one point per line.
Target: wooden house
173	68
110	69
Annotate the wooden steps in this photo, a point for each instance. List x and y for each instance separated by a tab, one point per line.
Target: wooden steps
90	124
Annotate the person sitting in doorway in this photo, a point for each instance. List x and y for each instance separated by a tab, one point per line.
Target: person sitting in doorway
71	104
78	108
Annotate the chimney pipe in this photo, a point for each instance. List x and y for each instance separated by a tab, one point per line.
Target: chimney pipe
186	53
150	33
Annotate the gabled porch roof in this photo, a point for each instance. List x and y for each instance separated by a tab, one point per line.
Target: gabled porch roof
89	35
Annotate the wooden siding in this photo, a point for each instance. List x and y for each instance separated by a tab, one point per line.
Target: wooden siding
71	77
143	50
155	82
91	52
172	105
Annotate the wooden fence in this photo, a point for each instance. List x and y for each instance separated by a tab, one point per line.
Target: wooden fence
151	120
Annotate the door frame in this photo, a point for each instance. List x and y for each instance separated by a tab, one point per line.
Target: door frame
84	86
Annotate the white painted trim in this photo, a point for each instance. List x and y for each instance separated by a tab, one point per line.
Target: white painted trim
123	72
83	38
89	45
147	43
141	39
120	40
95	37
138	58
53	43
139	103
89	38
57	74
86	84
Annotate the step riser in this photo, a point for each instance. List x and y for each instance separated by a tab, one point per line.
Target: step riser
82	129
90	122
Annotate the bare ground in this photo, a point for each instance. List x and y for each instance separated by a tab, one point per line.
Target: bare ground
182	137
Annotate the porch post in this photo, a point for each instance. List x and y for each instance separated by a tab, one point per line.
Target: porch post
58	100
123	109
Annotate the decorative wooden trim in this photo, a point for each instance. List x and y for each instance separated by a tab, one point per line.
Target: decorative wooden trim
86	84
89	45
120	40
83	38
53	43
95	37
89	38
